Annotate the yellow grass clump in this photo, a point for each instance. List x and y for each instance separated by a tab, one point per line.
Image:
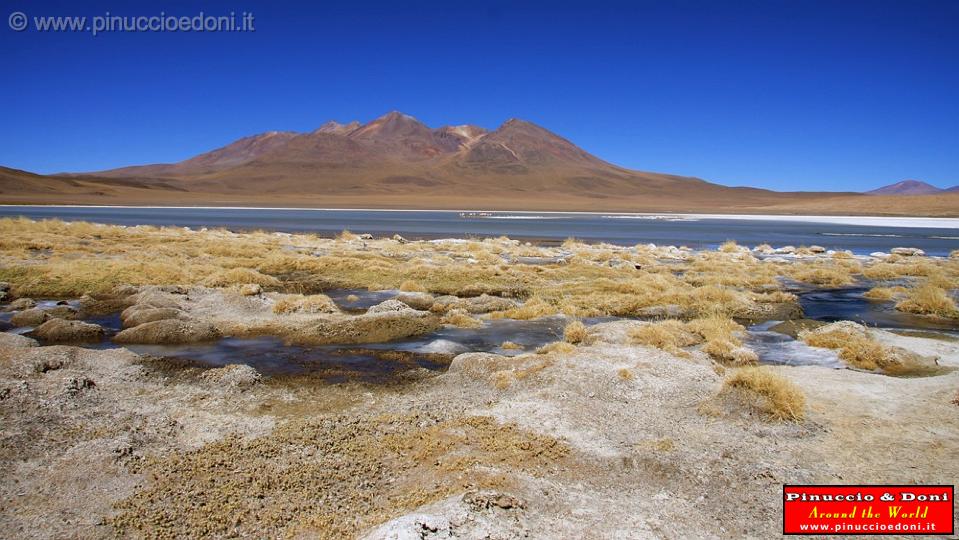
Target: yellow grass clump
534	308
575	332
819	273
460	318
240	276
775	395
717	332
928	299
411	286
509	345
670	336
884	293
729	246
860	349
557	347
297	303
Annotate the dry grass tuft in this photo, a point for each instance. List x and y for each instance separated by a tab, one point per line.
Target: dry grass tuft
534	308
884	293
717	331
775	395
461	319
855	346
560	347
575	332
729	246
509	345
625	374
317	303
411	286
730	352
860	349
346	236
240	276
825	274
928	299
670	336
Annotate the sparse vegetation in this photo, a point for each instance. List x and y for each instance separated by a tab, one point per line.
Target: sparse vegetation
884	293
717	333
575	332
240	276
775	395
460	318
928	299
856	346
557	347
317	303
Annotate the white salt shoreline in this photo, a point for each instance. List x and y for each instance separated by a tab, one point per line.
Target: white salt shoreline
869	221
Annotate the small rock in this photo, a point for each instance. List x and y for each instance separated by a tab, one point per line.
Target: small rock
389	305
879	254
169	331
785	250
65	331
794	327
485	501
29	317
16	341
75	385
44	365
137	315
817	249
907	251
400	239
20	304
62	311
366	236
416	300
240	376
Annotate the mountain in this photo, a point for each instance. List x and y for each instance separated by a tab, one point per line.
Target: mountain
909	187
396	161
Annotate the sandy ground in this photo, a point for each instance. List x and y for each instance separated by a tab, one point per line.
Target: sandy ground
609	441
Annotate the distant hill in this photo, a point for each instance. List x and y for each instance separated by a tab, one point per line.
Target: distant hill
396	161
910	187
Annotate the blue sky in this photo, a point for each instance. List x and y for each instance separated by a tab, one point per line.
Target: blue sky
792	95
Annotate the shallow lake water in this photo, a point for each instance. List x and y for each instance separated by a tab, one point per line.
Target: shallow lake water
861	235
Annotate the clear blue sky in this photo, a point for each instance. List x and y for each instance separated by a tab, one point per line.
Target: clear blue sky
837	95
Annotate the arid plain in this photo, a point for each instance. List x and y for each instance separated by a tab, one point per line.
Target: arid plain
628	396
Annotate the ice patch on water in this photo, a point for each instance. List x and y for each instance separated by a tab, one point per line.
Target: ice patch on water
776	348
443	346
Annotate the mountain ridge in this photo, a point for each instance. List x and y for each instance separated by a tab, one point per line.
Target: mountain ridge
396	161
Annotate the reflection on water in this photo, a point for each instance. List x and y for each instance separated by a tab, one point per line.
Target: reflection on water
270	356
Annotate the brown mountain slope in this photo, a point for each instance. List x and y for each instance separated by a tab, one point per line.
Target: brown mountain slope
907	187
396	161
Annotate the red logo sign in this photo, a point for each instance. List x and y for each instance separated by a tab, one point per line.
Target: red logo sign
855	510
